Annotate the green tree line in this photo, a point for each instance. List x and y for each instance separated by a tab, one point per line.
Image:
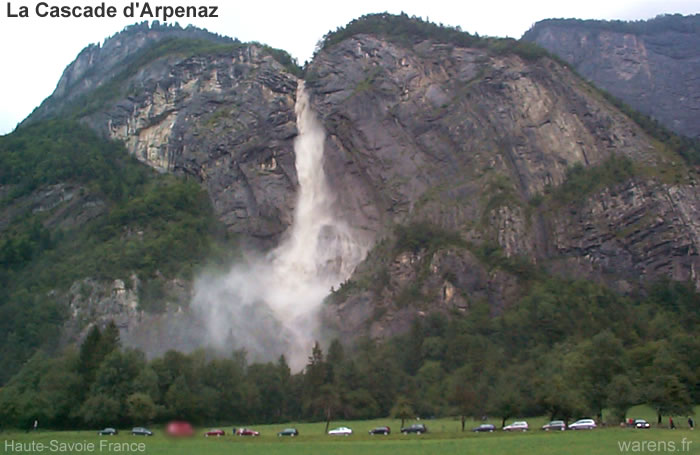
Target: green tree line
156	226
569	349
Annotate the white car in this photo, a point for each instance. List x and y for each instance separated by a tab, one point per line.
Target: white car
340	431
517	426
583	424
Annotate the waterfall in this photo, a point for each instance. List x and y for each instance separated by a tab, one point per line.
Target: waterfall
269	306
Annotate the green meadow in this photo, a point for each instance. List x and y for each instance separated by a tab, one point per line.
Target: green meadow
444	438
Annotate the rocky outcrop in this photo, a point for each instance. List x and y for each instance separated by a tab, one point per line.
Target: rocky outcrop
475	142
93	302
225	119
472	140
454	120
97	64
651	65
634	232
63	205
193	103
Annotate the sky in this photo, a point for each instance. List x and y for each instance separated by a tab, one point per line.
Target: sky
35	51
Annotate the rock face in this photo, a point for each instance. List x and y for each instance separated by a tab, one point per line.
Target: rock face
474	142
92	302
73	206
194	103
478	143
652	65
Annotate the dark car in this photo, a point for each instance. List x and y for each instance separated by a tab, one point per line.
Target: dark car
108	432
555	425
247	432
141	431
417	428
484	428
179	429
288	432
215	432
380	430
641	424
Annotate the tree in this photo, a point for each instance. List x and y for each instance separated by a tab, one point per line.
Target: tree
402	410
560	399
334	359
140	408
90	355
116	375
621	395
507	402
109	340
463	398
328	402
595	363
61	389
180	400
667	395
147	382
100	410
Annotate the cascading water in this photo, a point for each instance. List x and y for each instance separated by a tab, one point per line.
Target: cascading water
270	306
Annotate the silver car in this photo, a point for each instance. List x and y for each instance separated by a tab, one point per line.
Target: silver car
517	426
583	424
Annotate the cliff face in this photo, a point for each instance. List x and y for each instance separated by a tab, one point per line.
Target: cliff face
481	145
471	147
652	65
193	103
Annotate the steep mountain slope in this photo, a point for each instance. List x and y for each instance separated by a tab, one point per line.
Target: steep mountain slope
105	237
651	65
476	168
194	103
506	162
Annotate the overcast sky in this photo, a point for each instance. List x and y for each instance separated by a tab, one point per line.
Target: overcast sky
35	51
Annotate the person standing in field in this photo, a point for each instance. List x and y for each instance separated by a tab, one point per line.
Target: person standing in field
691	424
671	424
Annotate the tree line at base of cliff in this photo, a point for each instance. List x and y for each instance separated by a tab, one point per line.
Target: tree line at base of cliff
568	349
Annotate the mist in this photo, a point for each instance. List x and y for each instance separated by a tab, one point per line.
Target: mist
270	305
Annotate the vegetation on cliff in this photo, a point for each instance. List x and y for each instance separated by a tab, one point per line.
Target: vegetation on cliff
407	31
568	349
659	24
151	225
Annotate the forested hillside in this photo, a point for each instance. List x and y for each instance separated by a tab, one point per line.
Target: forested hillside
74	206
532	241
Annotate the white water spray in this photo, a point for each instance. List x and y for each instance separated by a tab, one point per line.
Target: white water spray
270	306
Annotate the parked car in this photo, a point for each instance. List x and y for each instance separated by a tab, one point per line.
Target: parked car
247	432
557	425
108	432
583	424
641	424
380	430
215	432
288	432
484	428
141	431
517	426
179	429
417	428
340	431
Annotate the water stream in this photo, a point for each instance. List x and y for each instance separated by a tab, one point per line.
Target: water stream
270	305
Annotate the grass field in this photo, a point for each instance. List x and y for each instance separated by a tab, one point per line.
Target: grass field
444	438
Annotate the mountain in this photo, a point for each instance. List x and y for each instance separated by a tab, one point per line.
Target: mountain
193	103
478	170
650	65
502	162
159	152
